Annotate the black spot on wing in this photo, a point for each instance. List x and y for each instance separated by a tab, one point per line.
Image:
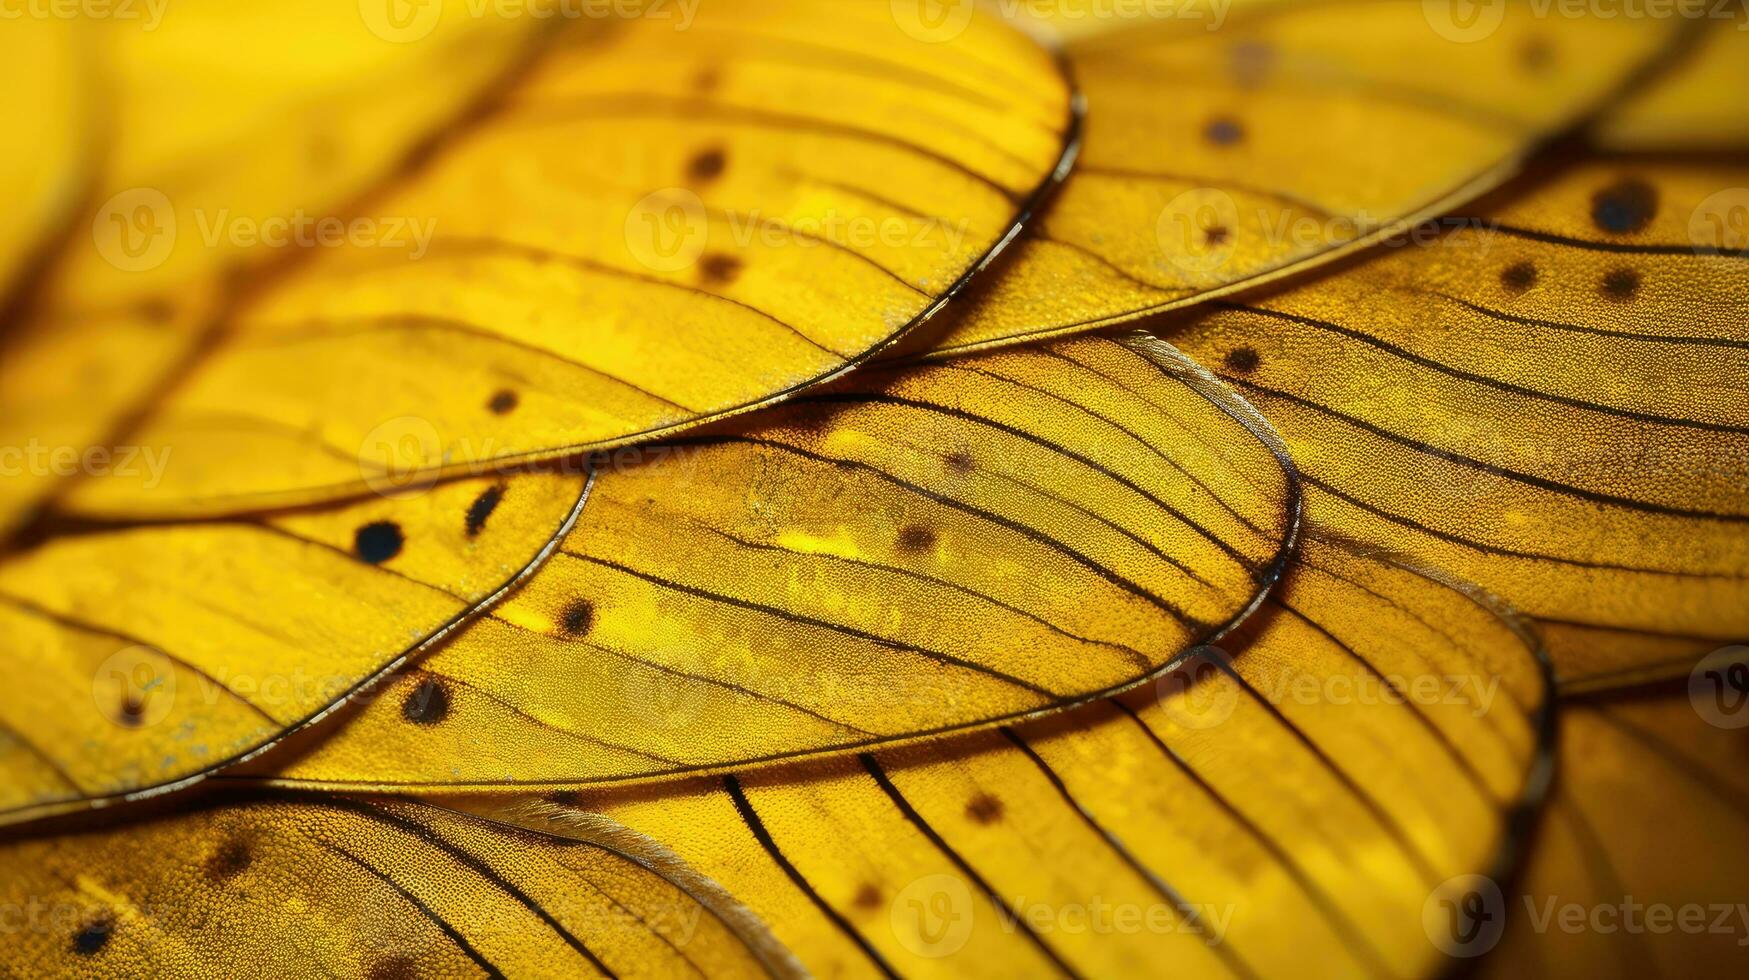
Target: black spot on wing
577	618
707	165
1242	360
718	269
1224	131
1621	284
379	541
1625	206
985	809
914	538
503	402
1518	276
93	936
482	508
232	858
427	703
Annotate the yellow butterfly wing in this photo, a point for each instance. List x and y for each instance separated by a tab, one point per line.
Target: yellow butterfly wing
145	656
1218	159
1693	105
1639	861
1248	816
1547	400
905	552
653	227
206	131
49	102
290	887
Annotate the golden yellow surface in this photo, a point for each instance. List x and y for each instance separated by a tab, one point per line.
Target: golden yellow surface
1215	159
650	227
1280	809
145	656
341	887
1547	399
1697	104
909	551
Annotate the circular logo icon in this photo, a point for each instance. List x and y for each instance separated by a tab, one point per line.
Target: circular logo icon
933	21
1198	229
932	916
1464	21
1718	687
135	230
1465	915
667	230
1199	694
134	687
401	457
1721	222
401	21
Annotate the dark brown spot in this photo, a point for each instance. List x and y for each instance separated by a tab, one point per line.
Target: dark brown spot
707	164
718	269
1536	55
1251	61
427	703
503	402
960	463
915	537
230	860
482	508
564	797
577	617
1518	276
1224	131
397	967
1621	284
984	809
868	898
1625	206
707	80
1242	360
378	542
1216	236
91	938
132	711
158	309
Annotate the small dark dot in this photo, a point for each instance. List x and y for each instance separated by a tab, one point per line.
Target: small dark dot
1537	54
1621	284
564	797
868	898
1625	206
482	508
577	618
1518	276
1224	131
427	703
378	542
1216	236
985	809
503	402
133	711
393	968
1244	360
707	165
914	538
230	860
91	939
707	80
158	310
960	462
718	269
